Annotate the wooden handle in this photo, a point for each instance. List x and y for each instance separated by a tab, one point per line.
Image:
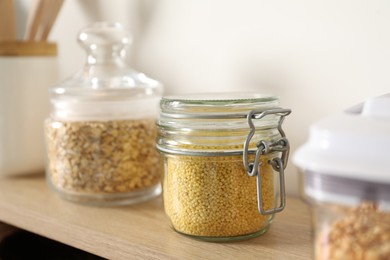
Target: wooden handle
7	20
42	17
34	19
53	7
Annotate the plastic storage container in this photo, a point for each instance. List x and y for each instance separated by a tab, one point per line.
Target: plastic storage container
224	159
346	180
101	133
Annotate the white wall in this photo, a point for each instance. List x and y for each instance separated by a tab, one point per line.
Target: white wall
318	56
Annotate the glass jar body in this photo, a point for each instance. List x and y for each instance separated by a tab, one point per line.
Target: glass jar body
207	191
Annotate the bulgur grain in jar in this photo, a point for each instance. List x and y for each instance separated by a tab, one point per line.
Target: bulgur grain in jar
100	136
224	158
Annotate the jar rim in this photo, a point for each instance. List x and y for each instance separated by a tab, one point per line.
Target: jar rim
217	98
216	105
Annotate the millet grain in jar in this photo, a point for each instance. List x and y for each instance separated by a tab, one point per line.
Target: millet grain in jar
214	197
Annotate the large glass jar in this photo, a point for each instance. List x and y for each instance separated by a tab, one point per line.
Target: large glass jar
224	158
346	181
100	136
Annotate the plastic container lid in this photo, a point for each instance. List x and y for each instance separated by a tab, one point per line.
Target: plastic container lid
353	144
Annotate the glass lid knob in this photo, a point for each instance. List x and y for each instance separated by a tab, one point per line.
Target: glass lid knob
104	40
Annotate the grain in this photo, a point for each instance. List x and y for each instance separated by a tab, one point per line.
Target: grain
362	233
102	157
214	197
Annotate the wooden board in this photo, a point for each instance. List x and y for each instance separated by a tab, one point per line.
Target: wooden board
140	231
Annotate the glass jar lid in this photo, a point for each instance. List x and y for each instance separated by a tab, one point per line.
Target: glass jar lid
211	104
106	84
215	111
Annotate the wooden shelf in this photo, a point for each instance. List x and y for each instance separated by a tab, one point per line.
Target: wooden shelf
140	231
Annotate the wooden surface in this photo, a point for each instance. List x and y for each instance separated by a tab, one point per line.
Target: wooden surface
140	231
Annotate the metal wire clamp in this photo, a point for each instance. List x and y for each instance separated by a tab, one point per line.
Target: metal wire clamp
264	147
